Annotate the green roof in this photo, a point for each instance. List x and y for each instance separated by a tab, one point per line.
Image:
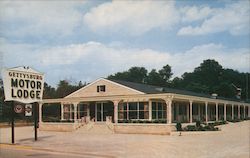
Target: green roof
150	89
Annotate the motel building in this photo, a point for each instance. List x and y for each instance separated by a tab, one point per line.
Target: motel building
112	106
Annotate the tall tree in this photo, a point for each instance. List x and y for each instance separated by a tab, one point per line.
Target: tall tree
134	74
154	78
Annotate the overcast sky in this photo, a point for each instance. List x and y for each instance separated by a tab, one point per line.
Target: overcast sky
85	40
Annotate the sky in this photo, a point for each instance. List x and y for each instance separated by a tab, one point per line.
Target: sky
86	40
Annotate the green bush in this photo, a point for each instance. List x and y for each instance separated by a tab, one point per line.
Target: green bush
198	124
191	128
178	126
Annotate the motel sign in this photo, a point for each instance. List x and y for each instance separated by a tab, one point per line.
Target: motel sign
23	84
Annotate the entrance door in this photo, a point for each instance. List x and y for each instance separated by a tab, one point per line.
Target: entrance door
99	111
103	110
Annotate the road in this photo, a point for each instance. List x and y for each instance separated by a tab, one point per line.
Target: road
6	152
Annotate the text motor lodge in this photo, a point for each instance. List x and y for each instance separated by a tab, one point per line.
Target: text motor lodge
25	86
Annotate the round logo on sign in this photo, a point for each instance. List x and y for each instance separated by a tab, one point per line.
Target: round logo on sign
18	109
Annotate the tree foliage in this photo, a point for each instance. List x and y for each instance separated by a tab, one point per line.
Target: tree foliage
63	89
141	75
209	77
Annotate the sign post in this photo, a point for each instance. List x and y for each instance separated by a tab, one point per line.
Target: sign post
12	123
25	85
35	119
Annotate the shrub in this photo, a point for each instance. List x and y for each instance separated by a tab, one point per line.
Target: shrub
191	128
198	124
178	126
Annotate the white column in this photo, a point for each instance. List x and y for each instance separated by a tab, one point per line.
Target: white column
225	112
232	111
244	111
248	107
70	111
116	102
177	107
150	110
62	110
199	112
40	112
191	111
78	111
75	112
238	111
206	104
88	109
216	111
169	109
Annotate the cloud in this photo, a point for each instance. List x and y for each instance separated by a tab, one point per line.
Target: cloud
36	18
131	17
234	18
102	60
194	13
91	60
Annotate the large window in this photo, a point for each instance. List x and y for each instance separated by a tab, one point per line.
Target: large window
68	111
158	111
133	110
82	110
122	111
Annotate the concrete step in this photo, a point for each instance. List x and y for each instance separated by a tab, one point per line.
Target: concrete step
95	128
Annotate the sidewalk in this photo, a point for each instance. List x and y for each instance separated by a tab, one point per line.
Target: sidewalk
232	142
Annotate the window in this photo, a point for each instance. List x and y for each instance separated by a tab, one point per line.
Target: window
122	111
101	88
82	110
133	110
68	111
158	111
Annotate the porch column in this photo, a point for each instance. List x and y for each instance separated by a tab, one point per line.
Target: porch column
70	111
40	112
225	112
75	112
206	103
62	117
238	111
88	110
248	107
188	113
191	111
169	109
177	117
232	111
244	111
150	110
199	112
216	111
116	102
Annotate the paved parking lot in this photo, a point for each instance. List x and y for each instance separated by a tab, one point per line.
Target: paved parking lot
233	141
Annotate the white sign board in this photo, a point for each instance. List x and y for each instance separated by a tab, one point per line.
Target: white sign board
23	84
28	110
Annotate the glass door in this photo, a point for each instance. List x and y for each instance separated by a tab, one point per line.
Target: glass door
99	111
102	110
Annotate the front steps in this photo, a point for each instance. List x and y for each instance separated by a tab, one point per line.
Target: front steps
96	128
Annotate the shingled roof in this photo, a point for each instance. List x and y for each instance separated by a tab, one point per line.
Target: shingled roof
150	89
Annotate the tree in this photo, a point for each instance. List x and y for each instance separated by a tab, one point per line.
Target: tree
166	73
134	74
48	91
154	78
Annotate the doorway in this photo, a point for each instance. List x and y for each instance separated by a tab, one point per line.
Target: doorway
102	110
